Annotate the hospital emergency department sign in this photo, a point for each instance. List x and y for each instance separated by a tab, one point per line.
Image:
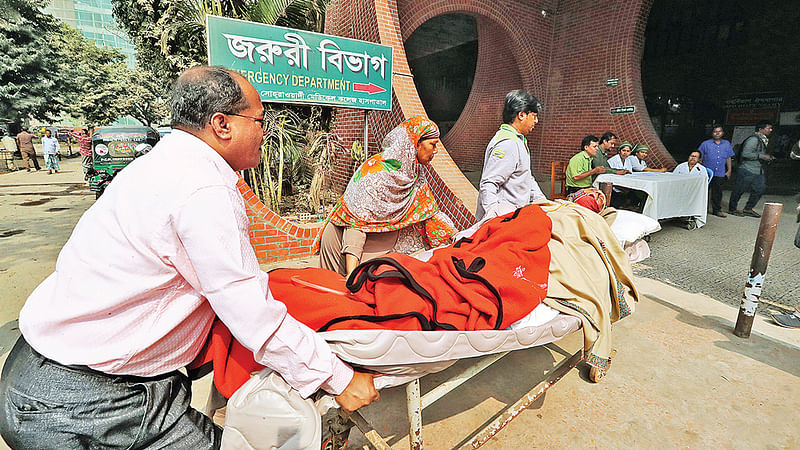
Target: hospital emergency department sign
293	66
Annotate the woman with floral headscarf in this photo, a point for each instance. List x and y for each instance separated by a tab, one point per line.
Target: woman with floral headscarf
388	205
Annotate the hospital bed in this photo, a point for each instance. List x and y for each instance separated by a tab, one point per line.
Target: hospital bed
582	243
405	356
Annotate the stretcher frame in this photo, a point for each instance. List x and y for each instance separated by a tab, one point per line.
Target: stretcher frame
415	403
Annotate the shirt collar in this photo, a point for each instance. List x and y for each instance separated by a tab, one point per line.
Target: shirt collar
206	152
511	129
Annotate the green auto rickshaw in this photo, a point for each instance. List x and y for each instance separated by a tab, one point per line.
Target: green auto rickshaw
115	147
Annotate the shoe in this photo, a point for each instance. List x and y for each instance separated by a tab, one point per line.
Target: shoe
787	320
750	213
29	170
49	172
719	214
736	213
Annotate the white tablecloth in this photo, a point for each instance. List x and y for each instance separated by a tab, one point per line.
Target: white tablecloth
668	194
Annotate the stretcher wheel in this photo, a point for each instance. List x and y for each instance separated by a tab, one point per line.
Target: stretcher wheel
691	225
596	374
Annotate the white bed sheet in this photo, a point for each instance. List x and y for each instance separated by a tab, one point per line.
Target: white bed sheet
405	355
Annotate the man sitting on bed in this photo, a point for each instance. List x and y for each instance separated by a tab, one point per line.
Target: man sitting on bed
103	337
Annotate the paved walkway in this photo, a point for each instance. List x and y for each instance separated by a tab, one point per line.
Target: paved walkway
715	259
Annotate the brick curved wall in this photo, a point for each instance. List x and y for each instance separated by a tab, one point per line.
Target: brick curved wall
563	56
594	41
273	237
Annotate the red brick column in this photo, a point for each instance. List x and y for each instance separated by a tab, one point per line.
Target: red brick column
594	41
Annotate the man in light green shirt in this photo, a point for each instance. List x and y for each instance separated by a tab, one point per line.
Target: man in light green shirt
579	170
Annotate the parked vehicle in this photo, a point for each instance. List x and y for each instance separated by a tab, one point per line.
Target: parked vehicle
113	148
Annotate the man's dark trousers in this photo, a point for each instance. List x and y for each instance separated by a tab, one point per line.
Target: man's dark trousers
46	405
746	180
716	193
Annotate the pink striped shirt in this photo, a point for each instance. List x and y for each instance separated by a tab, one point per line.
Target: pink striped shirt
164	250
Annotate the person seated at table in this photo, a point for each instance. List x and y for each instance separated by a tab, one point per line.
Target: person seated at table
388	205
579	169
640	152
692	166
622	160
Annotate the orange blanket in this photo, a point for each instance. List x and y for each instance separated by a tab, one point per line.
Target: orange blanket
488	281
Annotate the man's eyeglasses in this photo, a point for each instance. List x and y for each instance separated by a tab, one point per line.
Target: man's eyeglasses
260	120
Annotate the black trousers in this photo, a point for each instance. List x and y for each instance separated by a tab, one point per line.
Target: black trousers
716	193
47	405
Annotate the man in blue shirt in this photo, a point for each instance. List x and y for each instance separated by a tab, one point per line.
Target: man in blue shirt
716	154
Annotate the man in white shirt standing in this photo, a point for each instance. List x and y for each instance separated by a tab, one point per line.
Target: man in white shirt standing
139	283
50	148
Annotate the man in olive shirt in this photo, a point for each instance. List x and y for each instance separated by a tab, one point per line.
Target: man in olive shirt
579	170
607	143
750	176
25	144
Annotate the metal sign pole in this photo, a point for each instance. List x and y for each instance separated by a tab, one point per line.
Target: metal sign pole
758	267
366	133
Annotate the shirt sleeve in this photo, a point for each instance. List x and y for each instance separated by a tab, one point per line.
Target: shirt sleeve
576	166
213	229
536	191
636	165
729	153
500	164
601	160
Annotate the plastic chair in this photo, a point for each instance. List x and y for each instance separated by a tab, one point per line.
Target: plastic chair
558	174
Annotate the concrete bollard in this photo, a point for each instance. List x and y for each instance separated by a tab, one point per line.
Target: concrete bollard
758	267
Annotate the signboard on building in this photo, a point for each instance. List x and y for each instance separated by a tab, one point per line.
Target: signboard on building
749	109
623	110
611	82
294	66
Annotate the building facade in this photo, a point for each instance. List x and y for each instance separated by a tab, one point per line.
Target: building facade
95	20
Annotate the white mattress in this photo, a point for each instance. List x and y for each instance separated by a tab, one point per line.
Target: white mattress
411	354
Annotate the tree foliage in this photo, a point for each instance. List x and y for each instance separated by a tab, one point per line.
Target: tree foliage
145	97
29	78
92	77
170	35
